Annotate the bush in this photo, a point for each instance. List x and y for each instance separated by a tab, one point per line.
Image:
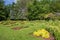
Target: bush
37	10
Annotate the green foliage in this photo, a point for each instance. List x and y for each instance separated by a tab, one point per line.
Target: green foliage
3	11
20	9
32	9
37	8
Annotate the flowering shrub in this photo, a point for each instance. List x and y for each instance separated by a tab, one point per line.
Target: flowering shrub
43	33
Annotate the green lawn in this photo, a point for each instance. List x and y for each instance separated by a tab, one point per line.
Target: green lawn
27	28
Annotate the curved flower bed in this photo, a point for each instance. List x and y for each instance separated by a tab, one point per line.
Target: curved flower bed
44	34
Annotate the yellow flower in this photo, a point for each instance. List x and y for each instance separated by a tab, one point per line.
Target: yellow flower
43	30
39	32
43	36
47	36
36	33
44	33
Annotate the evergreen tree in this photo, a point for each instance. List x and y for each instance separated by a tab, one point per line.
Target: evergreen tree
2	13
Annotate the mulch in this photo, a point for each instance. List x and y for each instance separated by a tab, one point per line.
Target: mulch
16	28
51	38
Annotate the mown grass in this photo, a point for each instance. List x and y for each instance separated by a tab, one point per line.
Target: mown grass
7	33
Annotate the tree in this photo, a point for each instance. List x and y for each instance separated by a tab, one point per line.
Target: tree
2	10
21	8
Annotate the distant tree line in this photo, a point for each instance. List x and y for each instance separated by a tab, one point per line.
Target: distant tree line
30	10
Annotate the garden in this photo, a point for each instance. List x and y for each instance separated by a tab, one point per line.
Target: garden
30	20
29	30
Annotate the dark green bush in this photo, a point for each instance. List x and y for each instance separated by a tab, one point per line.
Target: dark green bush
38	9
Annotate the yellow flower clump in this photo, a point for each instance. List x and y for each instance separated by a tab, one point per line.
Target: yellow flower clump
44	33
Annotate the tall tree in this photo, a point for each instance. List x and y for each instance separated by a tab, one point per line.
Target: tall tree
22	8
2	13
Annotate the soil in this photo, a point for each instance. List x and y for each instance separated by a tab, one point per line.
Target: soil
16	28
51	38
